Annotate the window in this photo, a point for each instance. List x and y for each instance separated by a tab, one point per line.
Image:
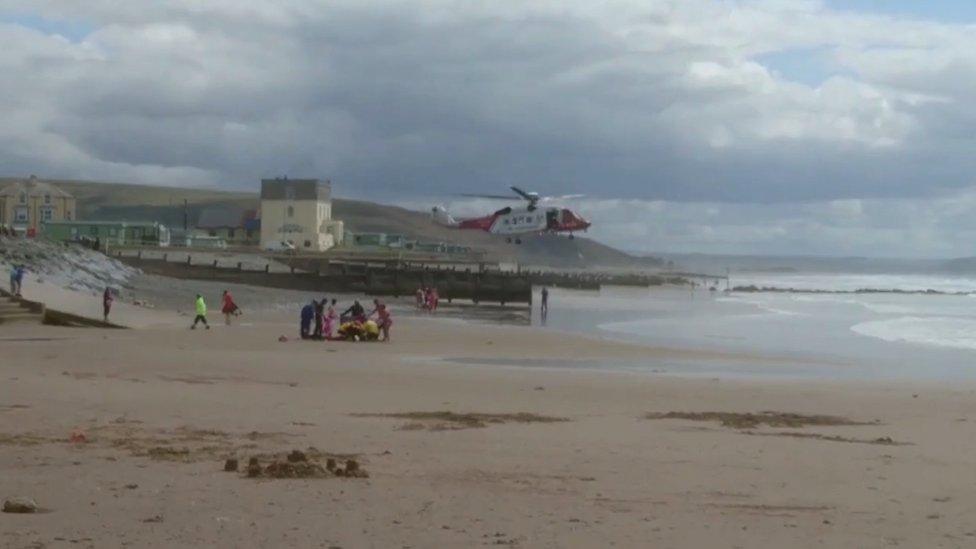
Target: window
47	214
23	197
113	231
308	243
47	199
291	211
67	215
20	214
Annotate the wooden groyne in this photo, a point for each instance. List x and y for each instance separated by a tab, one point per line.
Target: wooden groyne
352	278
392	277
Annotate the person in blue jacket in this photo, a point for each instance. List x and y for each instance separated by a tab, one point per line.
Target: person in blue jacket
308	313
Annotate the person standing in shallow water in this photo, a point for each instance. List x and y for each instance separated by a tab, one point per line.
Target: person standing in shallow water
201	308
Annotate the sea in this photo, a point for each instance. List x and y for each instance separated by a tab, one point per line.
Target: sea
823	329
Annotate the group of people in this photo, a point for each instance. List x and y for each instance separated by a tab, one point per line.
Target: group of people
318	321
17	279
228	307
427	298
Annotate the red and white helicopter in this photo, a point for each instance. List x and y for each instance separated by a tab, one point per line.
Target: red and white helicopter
514	222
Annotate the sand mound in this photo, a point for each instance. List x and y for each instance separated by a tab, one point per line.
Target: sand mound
439	421
881	441
753	420
298	464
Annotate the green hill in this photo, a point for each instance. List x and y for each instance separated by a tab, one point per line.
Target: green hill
123	201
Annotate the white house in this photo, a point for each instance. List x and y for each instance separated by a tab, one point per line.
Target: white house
298	211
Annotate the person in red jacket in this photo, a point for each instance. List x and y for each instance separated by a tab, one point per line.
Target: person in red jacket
228	307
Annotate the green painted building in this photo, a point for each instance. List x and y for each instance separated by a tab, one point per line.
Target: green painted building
115	233
375	240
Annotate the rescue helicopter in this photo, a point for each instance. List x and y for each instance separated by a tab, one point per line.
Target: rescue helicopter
514	222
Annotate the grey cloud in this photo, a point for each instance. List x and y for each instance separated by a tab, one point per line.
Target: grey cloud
659	100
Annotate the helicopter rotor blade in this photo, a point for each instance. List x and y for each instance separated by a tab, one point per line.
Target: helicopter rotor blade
563	197
531	197
490	196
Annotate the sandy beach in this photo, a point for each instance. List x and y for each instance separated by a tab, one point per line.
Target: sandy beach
462	446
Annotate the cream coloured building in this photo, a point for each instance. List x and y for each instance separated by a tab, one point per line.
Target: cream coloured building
28	203
298	211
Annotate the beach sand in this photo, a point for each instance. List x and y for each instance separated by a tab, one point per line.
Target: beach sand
458	454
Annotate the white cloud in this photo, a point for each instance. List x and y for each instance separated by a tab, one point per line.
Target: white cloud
665	100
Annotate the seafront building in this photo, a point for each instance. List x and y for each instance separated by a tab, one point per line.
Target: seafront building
106	233
26	204
298	211
235	226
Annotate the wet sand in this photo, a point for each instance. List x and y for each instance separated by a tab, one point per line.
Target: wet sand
458	455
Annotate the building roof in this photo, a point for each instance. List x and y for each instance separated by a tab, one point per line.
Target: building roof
295	189
105	223
33	187
218	218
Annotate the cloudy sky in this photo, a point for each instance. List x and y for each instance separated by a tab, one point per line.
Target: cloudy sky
839	127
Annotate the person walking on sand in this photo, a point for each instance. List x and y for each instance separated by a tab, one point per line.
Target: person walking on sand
544	307
107	300
19	279
13	280
201	307
228	307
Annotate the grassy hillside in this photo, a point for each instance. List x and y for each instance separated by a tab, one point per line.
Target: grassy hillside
120	201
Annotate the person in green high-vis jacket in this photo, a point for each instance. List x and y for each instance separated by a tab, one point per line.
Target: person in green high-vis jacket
201	313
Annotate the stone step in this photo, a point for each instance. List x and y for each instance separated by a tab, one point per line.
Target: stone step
27	316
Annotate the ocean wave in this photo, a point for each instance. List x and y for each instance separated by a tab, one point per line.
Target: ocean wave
954	332
763	306
854	282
